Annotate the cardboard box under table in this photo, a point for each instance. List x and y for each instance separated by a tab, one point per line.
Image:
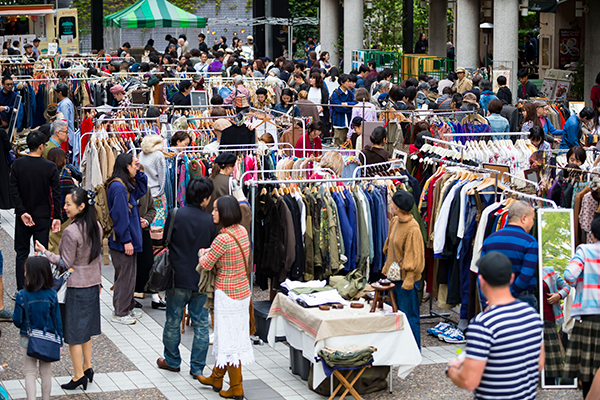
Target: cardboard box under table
311	329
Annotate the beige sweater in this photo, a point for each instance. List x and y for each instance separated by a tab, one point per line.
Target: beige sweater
409	247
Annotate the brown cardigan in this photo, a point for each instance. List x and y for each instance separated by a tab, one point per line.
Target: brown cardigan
409	247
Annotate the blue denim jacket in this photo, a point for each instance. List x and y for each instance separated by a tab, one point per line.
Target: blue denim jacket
44	312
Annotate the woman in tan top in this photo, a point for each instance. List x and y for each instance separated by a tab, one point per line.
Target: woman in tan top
405	246
80	248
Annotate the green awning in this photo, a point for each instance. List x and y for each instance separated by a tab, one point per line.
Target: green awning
547	6
154	14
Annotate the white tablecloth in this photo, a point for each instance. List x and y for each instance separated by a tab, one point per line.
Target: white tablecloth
397	348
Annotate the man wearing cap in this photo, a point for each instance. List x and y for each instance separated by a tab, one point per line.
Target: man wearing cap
65	106
118	92
526	89
463	83
182	97
505	348
521	248
405	246
28	47
36	51
220	176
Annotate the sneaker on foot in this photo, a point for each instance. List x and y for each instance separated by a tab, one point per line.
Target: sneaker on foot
439	328
135	313
452	335
5	315
125	320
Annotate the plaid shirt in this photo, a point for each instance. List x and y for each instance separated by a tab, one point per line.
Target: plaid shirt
583	273
66	185
225	255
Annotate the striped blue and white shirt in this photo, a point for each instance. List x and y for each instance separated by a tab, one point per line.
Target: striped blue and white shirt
522	250
509	338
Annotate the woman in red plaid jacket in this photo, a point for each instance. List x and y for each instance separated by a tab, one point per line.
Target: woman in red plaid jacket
229	254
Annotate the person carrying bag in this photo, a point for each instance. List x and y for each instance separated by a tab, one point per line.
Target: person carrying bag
37	314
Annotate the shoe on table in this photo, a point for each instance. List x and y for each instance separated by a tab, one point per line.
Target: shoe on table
5	315
135	313
125	320
162	364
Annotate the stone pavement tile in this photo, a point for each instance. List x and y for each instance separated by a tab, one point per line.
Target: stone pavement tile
138	394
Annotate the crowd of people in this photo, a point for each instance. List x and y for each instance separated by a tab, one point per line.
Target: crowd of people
208	238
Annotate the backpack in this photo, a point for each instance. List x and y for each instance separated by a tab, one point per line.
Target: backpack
102	210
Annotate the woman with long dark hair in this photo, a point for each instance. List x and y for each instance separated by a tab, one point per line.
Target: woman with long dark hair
124	188
530	118
228	255
286	106
80	249
318	94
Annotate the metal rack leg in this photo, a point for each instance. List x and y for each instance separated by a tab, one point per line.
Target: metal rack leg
433	314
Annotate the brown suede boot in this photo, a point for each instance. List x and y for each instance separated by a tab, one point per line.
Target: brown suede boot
215	379
236	390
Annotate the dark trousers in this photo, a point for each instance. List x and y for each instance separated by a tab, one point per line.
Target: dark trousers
125	269
408	302
23	234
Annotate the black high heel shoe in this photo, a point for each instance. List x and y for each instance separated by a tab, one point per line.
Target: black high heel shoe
89	373
83	381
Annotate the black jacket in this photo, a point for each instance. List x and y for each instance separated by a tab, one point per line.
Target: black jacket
375	155
193	230
504	95
6	201
530	90
268	240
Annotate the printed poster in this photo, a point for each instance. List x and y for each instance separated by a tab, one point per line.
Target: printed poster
569	46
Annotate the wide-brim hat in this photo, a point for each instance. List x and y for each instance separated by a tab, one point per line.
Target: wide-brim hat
461	69
50	113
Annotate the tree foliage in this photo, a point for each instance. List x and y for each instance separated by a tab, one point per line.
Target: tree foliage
556	240
304	8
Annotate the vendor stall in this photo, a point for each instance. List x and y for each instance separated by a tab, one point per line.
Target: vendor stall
311	329
148	14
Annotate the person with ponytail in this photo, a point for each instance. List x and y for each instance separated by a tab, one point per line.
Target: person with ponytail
80	249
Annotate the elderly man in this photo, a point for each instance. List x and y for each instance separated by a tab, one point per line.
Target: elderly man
240	89
202	66
60	134
521	248
463	83
66	107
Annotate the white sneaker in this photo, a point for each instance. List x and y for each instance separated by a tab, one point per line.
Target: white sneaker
125	320
135	313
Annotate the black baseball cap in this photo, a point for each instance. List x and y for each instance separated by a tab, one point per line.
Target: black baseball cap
495	268
183	85
36	40
62	88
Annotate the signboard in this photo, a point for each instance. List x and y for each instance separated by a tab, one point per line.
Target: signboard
497	72
52	49
199	98
569	46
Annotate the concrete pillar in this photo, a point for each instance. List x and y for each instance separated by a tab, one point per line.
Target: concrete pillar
330	29
353	30
467	33
437	27
506	39
591	53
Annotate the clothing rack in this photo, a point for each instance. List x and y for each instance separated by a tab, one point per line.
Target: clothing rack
531	197
254	185
391	163
485	134
472	168
462	147
283	171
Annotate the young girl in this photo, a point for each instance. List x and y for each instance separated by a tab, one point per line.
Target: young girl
43	313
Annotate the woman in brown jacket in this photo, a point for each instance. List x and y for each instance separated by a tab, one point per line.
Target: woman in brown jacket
405	246
80	249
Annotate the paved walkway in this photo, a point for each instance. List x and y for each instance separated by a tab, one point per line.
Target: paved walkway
124	358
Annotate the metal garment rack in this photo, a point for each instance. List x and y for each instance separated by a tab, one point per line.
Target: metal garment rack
462	147
530	197
391	164
535	184
486	134
254	185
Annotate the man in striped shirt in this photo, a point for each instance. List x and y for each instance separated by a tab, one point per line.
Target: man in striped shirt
515	242
505	349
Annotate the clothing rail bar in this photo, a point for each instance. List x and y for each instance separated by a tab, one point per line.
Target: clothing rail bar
367	178
531	197
486	134
283	171
537	185
431	139
391	163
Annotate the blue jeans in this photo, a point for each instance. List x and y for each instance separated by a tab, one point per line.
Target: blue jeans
408	302
529	299
176	302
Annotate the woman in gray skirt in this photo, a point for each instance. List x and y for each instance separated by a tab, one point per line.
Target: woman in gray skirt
80	248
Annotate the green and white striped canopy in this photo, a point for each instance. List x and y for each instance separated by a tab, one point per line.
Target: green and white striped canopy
154	14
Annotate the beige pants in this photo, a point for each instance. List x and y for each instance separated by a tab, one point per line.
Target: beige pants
340	135
30	367
54	238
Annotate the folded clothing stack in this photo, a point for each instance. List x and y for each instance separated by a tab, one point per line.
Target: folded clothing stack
352	356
